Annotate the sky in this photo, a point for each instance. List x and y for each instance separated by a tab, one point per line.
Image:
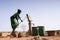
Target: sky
42	12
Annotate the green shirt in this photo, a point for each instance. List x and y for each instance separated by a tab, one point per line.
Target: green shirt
14	20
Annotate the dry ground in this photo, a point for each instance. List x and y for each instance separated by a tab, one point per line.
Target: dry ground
32	38
5	37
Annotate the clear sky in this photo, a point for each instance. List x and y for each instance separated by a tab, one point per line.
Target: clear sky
42	12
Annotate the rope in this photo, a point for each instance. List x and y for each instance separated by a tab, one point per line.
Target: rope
24	18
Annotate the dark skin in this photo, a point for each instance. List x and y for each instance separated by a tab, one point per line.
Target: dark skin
19	12
13	32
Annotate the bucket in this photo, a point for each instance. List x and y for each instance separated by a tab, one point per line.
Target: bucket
41	30
34	31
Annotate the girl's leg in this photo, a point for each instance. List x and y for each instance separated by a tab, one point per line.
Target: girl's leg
13	33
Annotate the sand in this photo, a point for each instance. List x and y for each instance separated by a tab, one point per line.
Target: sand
5	37
32	38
